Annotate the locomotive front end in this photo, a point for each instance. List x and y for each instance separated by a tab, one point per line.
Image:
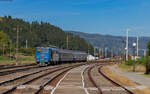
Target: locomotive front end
42	56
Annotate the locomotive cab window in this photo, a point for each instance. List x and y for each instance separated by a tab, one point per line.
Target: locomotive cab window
38	50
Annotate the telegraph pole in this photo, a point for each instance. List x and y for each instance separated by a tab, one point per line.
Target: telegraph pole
67	40
99	51
134	50
17	43
127	45
105	52
137	46
10	49
112	52
94	51
26	43
144	52
88	49
122	52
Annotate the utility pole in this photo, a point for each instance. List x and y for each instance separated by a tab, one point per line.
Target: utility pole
94	51
127	45
17	43
122	52
105	52
112	52
67	40
134	50
10	49
26	43
88	49
99	51
137	46
144	52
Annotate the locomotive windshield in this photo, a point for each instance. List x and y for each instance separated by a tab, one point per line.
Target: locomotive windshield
45	50
42	50
38	50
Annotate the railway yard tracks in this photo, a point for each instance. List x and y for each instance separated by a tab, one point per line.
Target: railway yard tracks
103	84
31	79
14	69
80	78
2	67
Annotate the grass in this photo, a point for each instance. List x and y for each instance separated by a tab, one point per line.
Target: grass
147	75
128	68
4	60
125	67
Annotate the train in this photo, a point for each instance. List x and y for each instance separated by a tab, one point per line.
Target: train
52	55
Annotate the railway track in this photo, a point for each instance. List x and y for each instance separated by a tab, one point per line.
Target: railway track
32	79
26	75
113	82
6	71
93	81
42	80
103	83
2	67
55	77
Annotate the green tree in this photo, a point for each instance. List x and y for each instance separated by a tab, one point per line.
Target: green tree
41	34
4	42
146	60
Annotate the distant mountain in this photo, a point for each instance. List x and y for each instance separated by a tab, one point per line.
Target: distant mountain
117	43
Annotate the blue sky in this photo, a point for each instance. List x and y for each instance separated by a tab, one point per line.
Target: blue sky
92	16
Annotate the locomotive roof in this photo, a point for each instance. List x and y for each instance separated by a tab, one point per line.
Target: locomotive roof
65	50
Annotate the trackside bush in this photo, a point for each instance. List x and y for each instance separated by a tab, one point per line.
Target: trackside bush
129	62
27	51
146	62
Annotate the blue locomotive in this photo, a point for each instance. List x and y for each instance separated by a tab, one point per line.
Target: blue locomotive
51	55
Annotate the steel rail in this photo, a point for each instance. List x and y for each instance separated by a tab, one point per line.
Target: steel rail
50	80
92	80
27	82
112	81
1	83
2	73
14	66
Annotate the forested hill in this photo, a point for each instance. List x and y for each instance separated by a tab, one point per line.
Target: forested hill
109	41
40	34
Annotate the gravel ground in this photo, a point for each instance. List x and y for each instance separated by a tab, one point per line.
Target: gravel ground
88	84
72	82
35	85
10	69
18	74
21	81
